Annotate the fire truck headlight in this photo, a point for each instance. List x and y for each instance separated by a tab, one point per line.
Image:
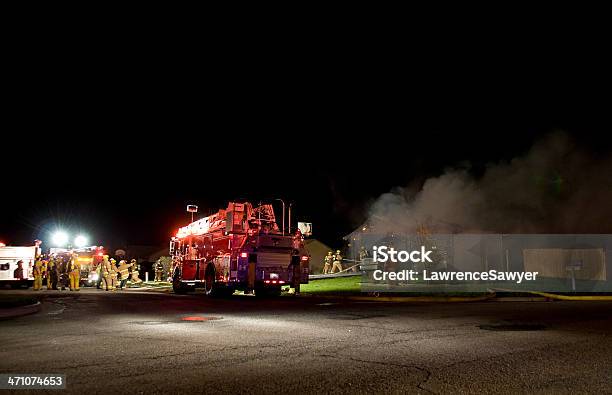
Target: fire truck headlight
80	241
59	238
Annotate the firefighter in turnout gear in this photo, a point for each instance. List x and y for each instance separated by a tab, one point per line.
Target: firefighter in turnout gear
337	262
74	272
123	270
38	274
113	274
329	258
159	271
44	271
99	273
62	273
363	255
135	279
105	272
51	274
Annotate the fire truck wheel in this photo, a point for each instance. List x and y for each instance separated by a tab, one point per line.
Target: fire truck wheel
178	287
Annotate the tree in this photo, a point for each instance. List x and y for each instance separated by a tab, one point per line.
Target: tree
166	262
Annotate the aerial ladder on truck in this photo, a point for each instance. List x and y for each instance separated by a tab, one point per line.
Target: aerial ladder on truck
238	248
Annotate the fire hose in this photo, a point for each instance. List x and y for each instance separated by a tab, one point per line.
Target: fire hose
348	268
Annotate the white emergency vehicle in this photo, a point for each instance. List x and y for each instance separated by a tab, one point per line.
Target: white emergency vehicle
10	257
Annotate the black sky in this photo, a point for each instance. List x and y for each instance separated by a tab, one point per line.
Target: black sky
119	156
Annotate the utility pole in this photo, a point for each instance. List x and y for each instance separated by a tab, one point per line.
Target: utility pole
290	204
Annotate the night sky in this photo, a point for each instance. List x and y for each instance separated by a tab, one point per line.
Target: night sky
120	161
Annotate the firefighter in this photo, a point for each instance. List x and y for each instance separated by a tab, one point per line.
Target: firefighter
37	272
44	271
99	274
105	272
135	279
74	273
159	270
363	255
337	262
123	270
113	274
52	274
18	273
329	258
62	269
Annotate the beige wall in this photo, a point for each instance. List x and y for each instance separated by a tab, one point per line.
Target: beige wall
553	262
317	251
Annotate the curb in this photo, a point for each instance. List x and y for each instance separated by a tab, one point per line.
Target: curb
534	298
551	296
576	298
336	275
409	299
19	311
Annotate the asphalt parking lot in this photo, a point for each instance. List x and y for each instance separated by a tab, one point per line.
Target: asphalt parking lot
148	342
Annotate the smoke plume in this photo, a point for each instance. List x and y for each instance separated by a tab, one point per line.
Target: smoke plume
557	187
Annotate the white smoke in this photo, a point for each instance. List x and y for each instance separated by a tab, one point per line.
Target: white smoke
555	188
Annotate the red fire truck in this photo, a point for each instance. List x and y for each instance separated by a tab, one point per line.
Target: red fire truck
89	258
239	248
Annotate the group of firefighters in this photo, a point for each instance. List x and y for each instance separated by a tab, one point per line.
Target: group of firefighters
113	275
61	272
58	271
334	261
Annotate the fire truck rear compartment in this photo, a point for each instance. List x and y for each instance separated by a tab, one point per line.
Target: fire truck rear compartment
273	259
273	267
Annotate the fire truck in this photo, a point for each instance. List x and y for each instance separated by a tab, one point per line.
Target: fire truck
88	257
239	248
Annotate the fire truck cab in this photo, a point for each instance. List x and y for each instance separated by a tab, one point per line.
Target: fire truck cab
89	258
239	248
